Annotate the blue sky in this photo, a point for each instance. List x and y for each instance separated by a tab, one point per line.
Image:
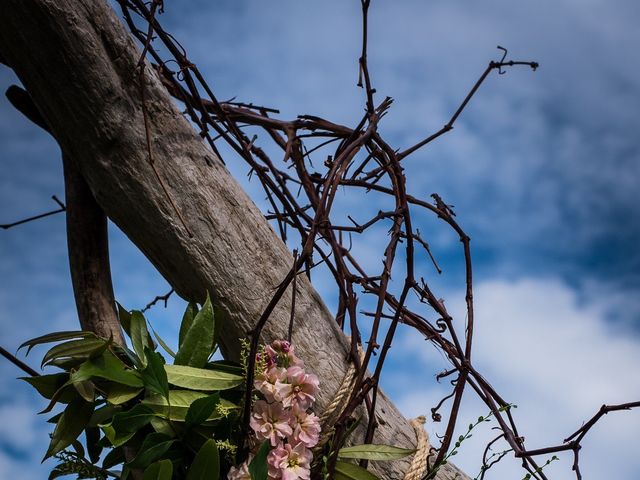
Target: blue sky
543	170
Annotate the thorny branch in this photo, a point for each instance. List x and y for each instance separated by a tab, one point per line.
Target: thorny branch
301	194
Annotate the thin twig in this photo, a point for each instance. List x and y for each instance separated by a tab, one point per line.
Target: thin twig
164	298
6	226
19	363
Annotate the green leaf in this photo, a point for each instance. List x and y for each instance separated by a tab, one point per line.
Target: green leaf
180	401
258	466
140	336
155	376
116	438
94	449
72	422
113	458
55	337
349	471
78	448
86	390
162	343
47	385
55	418
374	452
161	425
122	351
66	364
79	349
109	367
125	319
132	420
67	391
162	470
201	409
201	379
117	394
225	366
198	340
206	464
126	472
103	415
153	447
187	320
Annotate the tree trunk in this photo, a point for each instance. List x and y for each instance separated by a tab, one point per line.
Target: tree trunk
88	245
78	63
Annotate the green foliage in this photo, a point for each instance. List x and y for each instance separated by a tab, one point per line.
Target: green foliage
161	470
140	338
258	466
206	464
201	409
177	406
71	463
154	375
48	385
166	421
468	434
197	344
528	476
349	471
72	422
210	379
153	448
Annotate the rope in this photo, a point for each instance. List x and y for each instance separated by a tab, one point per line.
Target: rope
337	405
419	462
339	402
341	395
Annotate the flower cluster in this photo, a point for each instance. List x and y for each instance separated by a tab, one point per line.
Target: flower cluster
283	417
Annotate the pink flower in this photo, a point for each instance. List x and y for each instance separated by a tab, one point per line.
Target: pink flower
275	457
270	421
300	390
266	381
284	354
281	346
240	473
288	462
267	359
306	427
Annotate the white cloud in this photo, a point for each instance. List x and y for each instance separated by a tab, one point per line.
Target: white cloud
18	423
24	435
558	360
12	468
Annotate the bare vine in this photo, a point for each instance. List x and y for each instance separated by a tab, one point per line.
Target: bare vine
301	194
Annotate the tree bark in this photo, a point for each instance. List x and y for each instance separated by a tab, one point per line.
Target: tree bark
88	245
78	63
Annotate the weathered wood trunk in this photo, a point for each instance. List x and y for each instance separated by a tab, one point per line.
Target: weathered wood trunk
77	61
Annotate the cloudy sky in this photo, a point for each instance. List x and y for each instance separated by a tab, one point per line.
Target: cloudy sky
543	170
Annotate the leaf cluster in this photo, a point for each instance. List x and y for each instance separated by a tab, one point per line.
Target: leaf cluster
137	412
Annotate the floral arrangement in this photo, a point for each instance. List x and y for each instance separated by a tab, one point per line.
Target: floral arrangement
177	417
281	417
